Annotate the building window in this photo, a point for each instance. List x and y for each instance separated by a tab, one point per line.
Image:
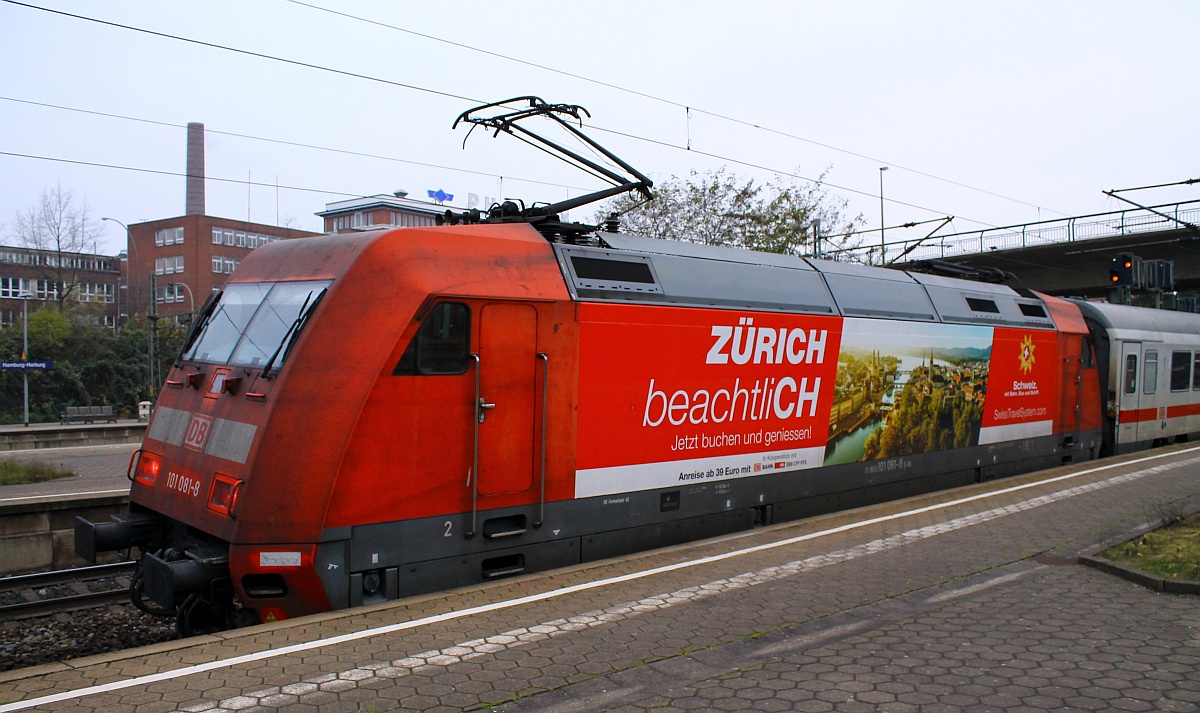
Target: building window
348	222
14	287
170	293
94	292
168	265
218	236
224	265
168	236
45	290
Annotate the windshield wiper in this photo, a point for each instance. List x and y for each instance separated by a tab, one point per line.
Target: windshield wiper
199	324
297	325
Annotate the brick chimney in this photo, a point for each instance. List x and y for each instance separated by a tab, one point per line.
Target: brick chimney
195	169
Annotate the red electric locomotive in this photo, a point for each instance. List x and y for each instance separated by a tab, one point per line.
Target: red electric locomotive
366	417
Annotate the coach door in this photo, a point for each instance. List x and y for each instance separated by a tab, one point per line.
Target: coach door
505	410
1127	407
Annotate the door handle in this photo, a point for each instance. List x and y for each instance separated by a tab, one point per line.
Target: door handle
483	408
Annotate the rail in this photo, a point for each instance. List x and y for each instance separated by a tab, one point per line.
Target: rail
1132	221
63	590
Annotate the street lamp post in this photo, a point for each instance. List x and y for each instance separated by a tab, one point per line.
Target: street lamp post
25	347
135	272
134	279
191	298
882	239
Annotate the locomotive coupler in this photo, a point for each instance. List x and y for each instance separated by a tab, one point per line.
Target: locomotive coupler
122	532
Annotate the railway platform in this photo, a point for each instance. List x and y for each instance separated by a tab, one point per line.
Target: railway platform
971	599
17	437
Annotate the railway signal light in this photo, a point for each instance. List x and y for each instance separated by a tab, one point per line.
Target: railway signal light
1122	270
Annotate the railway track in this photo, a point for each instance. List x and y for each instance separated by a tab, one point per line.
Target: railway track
44	593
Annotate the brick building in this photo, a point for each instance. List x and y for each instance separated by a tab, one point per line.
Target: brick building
95	280
371	212
189	257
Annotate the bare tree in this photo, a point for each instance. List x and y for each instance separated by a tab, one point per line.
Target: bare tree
65	235
716	208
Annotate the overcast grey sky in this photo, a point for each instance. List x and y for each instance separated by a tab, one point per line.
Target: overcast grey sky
996	113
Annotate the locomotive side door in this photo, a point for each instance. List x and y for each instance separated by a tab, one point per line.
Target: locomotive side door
1128	396
507	391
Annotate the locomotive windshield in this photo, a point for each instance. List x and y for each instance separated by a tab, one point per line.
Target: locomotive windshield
254	324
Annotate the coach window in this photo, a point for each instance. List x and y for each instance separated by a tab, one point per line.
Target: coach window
1180	371
1131	374
442	345
1150	377
1196	372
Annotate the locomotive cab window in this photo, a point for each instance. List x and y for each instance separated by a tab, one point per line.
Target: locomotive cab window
442	345
254	324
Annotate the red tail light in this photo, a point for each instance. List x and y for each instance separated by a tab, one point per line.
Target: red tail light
147	468
222	498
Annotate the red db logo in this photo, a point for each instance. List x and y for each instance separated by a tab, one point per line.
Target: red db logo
197	432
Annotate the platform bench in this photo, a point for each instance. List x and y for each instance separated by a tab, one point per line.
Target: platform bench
88	414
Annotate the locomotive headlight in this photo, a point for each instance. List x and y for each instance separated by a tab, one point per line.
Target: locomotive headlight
223	496
146	468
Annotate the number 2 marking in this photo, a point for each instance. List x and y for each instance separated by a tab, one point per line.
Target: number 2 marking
449	527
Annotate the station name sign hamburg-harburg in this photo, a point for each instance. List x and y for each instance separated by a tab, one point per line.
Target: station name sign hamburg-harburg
26	365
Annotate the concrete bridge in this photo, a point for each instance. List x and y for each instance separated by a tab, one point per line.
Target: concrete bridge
1072	256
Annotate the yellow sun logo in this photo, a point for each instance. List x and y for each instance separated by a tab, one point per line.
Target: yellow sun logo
1027	359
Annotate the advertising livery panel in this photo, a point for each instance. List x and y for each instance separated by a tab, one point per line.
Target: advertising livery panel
671	396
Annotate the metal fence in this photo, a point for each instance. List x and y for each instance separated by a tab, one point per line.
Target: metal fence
1086	227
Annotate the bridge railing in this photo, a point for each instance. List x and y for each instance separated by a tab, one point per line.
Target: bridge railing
1063	230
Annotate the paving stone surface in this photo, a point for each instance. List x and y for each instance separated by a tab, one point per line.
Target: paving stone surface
960	604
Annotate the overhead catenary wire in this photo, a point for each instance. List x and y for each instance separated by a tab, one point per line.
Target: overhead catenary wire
285	142
688	109
119	167
450	95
